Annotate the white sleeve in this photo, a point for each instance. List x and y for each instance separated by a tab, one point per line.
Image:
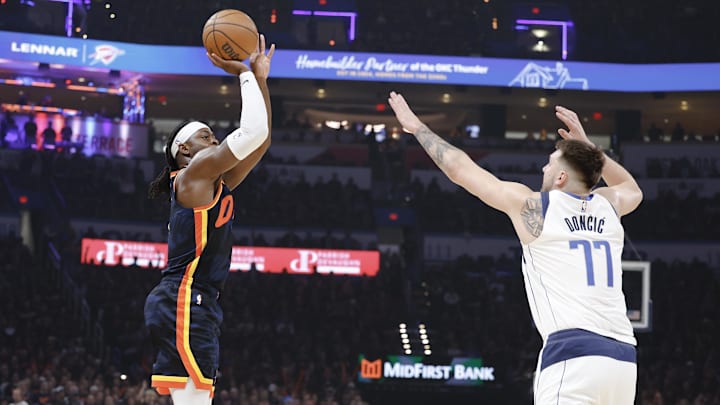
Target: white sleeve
253	129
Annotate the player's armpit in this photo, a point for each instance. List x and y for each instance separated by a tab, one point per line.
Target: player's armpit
505	196
237	174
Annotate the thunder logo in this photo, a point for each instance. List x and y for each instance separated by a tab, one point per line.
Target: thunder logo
105	54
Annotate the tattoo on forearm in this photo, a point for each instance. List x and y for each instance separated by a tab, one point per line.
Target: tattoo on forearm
435	146
531	214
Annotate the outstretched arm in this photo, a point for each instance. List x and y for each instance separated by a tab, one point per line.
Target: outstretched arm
505	196
260	64
623	192
242	148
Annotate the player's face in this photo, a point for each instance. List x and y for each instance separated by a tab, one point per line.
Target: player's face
201	140
551	171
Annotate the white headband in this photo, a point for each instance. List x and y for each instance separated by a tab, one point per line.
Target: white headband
184	134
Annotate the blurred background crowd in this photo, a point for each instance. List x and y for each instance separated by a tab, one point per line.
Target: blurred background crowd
74	333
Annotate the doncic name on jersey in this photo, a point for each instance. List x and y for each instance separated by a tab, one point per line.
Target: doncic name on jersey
585	223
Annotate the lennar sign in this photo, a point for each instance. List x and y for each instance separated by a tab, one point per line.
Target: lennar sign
459	371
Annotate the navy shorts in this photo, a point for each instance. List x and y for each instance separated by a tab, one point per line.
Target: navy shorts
184	323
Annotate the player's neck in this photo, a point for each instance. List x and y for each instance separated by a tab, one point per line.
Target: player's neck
576	189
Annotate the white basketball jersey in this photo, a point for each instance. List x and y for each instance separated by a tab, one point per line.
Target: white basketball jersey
572	271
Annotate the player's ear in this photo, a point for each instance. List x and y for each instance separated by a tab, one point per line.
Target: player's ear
562	178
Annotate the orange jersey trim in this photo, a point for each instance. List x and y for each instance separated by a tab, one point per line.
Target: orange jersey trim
163	383
182	322
218	192
174	176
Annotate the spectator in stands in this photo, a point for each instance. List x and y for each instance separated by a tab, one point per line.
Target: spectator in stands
18	397
655	134
30	131
678	133
66	133
48	136
7	126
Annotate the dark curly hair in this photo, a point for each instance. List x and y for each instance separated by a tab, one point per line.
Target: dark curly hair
586	159
161	184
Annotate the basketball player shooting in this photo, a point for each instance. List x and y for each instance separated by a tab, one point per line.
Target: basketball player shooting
182	312
572	241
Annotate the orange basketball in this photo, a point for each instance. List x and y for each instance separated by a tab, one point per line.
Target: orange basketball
230	34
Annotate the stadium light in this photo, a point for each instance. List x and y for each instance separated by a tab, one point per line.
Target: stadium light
563	24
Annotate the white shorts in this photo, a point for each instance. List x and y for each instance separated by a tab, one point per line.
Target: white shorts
581	367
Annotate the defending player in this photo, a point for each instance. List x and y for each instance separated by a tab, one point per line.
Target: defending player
182	312
572	242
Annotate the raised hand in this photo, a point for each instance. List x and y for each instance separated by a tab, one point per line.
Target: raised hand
570	119
409	121
259	61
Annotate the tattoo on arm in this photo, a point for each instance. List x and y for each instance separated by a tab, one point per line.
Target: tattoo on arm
435	146
532	216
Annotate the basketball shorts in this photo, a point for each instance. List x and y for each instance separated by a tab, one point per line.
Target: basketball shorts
581	367
184	323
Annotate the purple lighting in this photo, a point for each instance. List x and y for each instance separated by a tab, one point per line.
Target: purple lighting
544	22
563	24
351	15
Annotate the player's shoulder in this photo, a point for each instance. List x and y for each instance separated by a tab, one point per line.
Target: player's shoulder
175	173
606	193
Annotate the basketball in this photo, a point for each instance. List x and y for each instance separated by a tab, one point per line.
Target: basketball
230	34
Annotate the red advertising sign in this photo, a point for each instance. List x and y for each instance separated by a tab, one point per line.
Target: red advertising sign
306	261
265	259
121	252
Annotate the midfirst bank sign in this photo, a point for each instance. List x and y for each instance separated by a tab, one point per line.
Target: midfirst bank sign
459	371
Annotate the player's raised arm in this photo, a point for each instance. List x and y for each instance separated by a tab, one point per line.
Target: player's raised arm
213	162
196	150
623	192
260	65
505	196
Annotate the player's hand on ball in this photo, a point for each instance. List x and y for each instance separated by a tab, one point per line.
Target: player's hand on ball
234	67
260	61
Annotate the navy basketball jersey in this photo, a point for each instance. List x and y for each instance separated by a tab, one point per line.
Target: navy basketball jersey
200	239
